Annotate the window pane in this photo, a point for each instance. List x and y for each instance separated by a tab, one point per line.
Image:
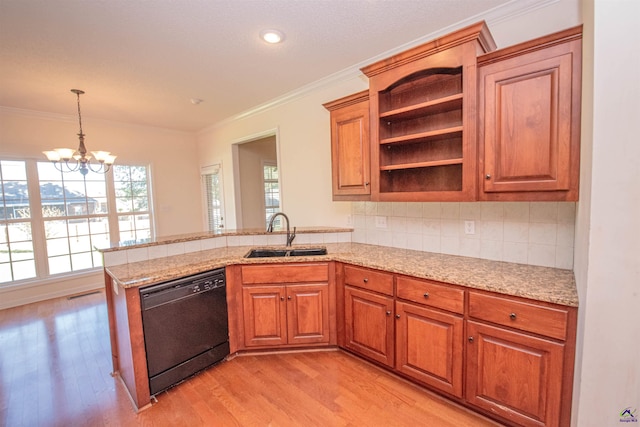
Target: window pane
81	261
24	270
57	247
53	228
80	244
21	251
6	275
99	225
60	264
4	253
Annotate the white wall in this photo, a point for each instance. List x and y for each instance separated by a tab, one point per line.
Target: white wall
175	178
608	223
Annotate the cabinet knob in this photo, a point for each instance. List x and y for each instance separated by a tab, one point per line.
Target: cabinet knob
397	316
281	298
512	316
426	294
366	183
289	297
365	280
470	339
487	176
388	313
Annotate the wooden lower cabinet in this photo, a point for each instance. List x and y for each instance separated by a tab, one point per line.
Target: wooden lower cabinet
429	346
369	325
514	375
280	315
284	305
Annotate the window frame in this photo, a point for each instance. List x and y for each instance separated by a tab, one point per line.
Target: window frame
37	222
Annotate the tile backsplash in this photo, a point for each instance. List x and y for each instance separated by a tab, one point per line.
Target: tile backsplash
536	233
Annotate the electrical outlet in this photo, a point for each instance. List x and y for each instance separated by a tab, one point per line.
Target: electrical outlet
469	227
381	222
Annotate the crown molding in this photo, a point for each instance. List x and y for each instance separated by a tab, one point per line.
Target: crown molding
498	14
43	115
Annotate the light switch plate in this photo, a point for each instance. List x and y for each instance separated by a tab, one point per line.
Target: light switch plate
469	227
381	222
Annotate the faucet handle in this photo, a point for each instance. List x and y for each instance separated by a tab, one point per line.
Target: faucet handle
291	237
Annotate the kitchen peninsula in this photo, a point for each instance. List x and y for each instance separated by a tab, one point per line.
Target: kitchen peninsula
472	314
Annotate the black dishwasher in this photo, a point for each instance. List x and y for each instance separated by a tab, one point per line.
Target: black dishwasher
185	327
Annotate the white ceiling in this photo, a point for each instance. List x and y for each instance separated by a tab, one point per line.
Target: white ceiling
142	61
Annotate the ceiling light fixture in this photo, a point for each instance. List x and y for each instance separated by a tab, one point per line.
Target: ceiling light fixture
80	161
272	36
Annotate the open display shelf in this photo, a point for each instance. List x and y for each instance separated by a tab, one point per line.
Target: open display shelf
421	130
423	119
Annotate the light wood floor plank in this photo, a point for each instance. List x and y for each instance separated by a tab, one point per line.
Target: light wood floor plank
55	362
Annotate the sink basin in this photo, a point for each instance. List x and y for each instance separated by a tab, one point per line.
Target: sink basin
271	253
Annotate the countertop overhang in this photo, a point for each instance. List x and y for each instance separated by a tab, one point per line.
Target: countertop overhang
537	283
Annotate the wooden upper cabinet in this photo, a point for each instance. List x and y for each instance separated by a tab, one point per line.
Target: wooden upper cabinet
350	159
423	124
529	127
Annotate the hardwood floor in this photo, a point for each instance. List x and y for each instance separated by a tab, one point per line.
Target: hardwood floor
55	365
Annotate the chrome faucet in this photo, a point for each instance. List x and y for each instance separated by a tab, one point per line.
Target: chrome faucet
290	236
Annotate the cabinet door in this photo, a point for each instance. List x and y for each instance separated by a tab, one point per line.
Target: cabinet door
351	169
429	346
530	123
265	316
369	325
308	313
514	375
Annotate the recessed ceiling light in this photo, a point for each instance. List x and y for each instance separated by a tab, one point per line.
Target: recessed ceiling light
196	101
272	36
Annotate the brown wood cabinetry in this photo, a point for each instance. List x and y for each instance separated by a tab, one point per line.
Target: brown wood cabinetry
287	305
529	127
522	371
350	158
368	314
423	121
429	341
429	346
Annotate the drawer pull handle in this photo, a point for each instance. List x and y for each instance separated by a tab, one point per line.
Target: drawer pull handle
426	294
512	316
365	280
470	339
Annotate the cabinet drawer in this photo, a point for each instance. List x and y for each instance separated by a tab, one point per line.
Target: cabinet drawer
430	293
529	317
288	273
369	279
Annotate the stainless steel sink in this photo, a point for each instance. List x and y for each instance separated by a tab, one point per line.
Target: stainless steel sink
272	253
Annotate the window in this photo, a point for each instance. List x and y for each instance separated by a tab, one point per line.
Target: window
132	201
74	212
271	191
17	260
212	188
53	222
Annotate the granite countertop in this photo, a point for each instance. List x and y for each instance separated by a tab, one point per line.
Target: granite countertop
528	281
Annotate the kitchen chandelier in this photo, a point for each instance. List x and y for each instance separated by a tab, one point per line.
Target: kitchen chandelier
75	160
